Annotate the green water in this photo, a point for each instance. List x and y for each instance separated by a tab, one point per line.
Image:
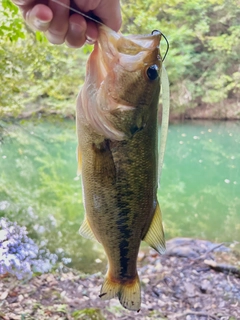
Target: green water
199	193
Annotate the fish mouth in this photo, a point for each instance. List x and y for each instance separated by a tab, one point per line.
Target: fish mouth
130	52
123	82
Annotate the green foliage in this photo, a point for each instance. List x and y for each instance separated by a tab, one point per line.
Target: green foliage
204	45
35	73
88	314
11	24
202	62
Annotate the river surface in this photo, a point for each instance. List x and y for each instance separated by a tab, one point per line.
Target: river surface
199	192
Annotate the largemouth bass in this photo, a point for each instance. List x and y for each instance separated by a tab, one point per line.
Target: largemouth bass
118	155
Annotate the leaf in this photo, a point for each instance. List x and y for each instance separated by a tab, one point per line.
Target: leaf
87	48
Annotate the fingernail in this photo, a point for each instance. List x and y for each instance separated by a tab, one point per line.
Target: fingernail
40	24
90	40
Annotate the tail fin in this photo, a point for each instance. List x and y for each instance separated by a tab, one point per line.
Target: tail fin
129	293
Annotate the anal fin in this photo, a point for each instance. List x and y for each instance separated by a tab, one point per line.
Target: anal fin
155	235
86	231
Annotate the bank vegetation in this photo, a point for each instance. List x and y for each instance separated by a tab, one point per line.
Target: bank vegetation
202	63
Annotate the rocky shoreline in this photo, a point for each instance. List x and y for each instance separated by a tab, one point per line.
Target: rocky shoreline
229	109
195	279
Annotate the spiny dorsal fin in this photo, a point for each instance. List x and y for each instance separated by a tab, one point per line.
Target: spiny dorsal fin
165	119
155	234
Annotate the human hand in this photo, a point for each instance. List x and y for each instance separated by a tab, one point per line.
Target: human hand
59	26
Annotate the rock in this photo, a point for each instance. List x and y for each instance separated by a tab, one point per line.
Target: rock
20	298
192	248
190	289
4	295
205	286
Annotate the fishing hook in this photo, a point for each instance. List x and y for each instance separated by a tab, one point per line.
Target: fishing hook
165	38
99	22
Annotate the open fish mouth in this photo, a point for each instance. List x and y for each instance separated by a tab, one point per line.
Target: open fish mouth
125	75
131	52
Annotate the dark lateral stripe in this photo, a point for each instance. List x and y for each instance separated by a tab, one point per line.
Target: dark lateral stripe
124	196
124	259
124	243
122	225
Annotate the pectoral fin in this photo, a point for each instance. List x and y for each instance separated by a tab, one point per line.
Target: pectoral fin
155	234
86	231
103	163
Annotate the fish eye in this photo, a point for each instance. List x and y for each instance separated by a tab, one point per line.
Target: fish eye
152	72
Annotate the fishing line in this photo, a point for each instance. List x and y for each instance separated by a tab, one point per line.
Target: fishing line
102	24
165	38
79	12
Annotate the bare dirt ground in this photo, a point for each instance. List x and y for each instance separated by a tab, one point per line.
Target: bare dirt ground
195	279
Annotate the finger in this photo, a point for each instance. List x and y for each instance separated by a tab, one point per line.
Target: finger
91	32
39	17
59	25
23	3
110	13
88	5
77	27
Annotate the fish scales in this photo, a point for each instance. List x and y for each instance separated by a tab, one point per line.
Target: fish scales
118	156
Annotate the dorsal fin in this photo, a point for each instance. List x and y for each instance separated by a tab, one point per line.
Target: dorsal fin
165	119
